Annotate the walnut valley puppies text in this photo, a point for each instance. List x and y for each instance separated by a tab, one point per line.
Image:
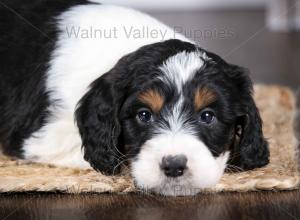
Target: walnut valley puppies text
144	32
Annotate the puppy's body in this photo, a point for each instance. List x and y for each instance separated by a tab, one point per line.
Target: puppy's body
168	106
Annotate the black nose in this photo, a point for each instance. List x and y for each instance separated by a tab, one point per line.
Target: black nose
174	166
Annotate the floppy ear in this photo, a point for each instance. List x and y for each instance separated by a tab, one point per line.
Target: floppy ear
98	123
252	149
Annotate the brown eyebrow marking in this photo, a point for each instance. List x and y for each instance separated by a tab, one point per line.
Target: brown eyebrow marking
203	97
153	99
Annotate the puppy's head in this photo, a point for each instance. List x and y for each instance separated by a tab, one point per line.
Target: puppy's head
178	113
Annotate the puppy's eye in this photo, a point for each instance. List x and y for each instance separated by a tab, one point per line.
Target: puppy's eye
144	116
207	117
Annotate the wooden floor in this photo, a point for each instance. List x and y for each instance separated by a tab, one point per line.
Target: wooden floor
231	206
271	58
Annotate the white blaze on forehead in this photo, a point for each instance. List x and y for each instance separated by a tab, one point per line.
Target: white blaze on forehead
177	120
177	70
181	67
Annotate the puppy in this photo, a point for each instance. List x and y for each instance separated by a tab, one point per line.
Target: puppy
88	85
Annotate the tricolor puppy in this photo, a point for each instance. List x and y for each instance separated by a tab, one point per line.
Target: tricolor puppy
78	89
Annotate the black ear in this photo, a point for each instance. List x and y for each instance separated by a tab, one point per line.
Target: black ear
252	149
98	123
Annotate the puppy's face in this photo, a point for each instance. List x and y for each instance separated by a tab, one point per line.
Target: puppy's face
179	128
174	113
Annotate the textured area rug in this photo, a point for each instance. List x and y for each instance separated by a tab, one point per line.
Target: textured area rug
277	107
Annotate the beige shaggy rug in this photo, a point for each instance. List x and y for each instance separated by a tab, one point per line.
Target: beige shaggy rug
277	107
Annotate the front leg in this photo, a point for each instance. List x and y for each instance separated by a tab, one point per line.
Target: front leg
56	143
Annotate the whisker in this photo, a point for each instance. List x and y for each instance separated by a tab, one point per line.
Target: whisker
234	168
120	163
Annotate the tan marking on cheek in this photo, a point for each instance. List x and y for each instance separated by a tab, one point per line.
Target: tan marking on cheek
153	99
203	97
